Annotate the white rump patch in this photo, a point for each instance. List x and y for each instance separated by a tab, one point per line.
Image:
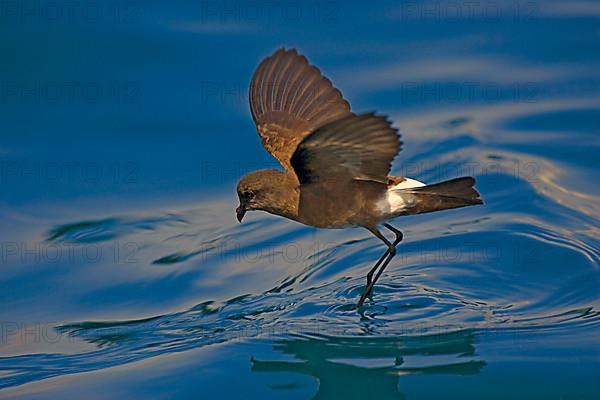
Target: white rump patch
394	202
407	183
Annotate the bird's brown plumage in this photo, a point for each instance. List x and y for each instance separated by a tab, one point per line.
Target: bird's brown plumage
354	147
336	163
289	99
334	156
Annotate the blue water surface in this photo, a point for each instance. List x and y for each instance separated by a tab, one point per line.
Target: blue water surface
124	127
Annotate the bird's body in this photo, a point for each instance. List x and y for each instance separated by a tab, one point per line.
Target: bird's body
336	163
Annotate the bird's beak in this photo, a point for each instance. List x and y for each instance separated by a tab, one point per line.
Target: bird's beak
240	212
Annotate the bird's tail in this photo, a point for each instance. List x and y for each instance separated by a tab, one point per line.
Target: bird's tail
454	193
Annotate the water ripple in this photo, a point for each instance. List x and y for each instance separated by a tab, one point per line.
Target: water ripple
398	313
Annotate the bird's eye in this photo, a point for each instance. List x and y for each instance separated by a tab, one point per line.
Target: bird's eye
248	195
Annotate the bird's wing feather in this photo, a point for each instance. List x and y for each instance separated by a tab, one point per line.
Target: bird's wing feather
289	98
355	147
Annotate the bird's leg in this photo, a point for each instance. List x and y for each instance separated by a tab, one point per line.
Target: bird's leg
398	239
387	256
372	271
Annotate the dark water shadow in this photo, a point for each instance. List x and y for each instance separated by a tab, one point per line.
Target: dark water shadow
353	368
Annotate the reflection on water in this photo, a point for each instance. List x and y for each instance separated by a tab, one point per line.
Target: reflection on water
371	367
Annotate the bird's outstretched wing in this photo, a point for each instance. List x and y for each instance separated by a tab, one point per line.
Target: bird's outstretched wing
289	98
355	147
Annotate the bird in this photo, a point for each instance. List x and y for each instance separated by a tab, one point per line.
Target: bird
335	162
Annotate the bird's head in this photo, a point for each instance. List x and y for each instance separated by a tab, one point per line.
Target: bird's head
266	190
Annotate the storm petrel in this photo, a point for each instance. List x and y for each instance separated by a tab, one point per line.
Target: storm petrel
335	162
